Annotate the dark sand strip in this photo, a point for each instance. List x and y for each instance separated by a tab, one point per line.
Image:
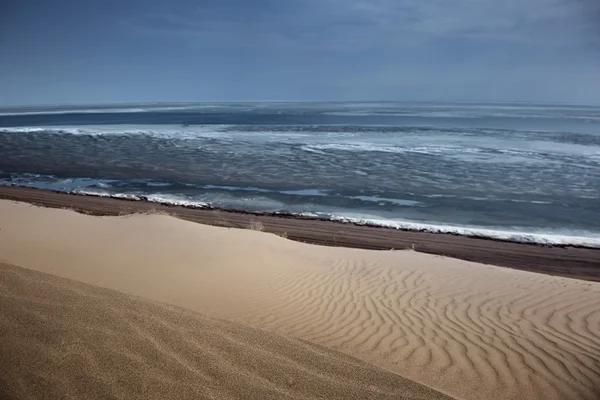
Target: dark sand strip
573	262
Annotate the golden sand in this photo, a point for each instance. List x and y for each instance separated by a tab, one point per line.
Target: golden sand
469	330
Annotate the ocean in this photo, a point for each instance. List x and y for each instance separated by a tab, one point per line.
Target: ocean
518	172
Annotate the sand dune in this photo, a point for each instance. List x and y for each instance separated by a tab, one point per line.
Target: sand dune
470	330
64	339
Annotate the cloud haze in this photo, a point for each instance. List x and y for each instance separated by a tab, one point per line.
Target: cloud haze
463	50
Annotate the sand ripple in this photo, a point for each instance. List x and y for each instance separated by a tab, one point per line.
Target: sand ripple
471	330
508	334
63	339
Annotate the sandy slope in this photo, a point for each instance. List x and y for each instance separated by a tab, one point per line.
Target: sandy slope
470	330
62	338
570	262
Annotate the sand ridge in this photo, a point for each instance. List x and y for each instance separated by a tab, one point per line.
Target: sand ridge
470	330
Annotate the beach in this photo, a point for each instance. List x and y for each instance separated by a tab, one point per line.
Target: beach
300	200
414	324
568	261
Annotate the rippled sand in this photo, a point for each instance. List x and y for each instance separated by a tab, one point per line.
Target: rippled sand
65	339
469	330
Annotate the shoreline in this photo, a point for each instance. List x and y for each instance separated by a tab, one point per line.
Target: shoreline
302	217
568	261
522	237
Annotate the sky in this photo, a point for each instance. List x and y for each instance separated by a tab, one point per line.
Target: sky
115	51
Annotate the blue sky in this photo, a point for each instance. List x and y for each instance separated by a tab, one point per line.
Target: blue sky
426	50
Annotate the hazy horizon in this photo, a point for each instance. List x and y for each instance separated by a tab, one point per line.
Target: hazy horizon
474	103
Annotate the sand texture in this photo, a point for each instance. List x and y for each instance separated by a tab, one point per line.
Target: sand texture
572	262
65	339
469	330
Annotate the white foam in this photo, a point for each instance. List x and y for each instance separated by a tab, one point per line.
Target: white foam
160	131
232	188
383	148
156	198
176	201
359	147
584	239
98	193
182	132
377	199
306	192
471	112
311	149
74	111
23	129
100	110
472	149
556	239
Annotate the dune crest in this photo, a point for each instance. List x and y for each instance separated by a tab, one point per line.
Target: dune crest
471	330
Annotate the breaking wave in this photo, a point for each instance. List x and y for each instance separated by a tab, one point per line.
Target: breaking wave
549	239
579	239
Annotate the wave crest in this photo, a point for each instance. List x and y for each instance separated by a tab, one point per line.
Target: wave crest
548	239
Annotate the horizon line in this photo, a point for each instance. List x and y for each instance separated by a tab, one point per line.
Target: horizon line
205	102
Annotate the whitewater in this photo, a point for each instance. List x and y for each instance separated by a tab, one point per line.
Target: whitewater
517	172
